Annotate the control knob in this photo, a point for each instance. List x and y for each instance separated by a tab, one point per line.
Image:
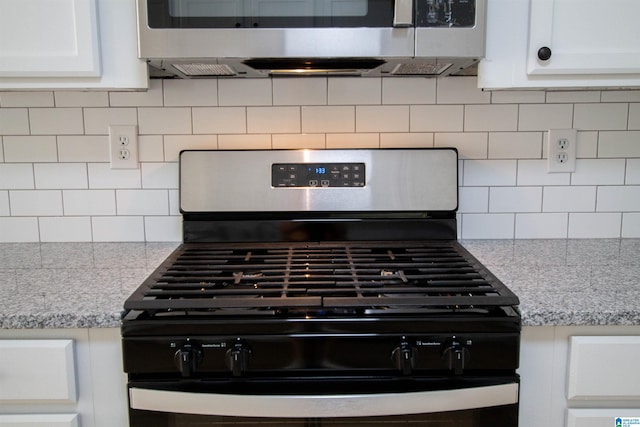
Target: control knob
456	356
188	358
237	358
404	356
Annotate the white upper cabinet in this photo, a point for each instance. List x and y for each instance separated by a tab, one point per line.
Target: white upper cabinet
79	44
561	43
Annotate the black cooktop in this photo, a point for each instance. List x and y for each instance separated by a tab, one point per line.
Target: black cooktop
331	277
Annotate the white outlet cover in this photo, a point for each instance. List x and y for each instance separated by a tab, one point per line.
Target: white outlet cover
123	137
561	150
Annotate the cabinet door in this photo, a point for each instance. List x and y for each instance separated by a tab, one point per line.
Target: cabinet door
34	371
603	417
44	38
604	368
584	37
41	420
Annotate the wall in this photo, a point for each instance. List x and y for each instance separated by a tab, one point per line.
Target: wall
56	183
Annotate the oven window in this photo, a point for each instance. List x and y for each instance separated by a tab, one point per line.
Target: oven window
499	416
269	13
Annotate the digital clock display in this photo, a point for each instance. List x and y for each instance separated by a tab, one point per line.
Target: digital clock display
308	175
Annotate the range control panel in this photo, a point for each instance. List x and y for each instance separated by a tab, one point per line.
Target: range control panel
308	175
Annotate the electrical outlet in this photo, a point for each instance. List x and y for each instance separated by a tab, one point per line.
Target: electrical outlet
561	150
123	146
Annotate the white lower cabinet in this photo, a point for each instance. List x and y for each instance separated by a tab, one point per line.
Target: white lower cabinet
581	376
41	420
62	378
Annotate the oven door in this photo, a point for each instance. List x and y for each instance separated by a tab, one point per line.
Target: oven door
470	403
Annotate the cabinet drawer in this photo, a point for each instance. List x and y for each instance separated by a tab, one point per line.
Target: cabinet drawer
602	417
604	368
37	370
40	420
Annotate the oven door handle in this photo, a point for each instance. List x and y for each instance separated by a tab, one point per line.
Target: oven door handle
322	406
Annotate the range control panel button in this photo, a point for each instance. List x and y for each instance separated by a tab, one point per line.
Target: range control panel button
310	175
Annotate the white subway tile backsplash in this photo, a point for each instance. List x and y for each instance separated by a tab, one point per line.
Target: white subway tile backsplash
56	183
353	140
569	199
65	229
515	145
328	119
354	90
620	96
117	228
594	225
490	172
170	120
619	198
97	120
244	142
488	226
163	228
89	202
436	118
56	121
634	116
27	99
587	145
23	149
470	145
81	98
35	203
408	91
518	97
102	176
244	92
619	144
296	91
4	203
598	172
574	97
142	202
159	175
60	175
19	230
295	141
541	225
190	93
407	140
473	199
219	120
173	144
273	119
461	90
633	172
150	148
16	176
601	116
515	199
14	121
631	225
542	117
534	172
490	118
387	118
83	148
149	98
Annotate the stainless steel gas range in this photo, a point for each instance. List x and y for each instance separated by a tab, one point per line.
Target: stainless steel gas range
321	287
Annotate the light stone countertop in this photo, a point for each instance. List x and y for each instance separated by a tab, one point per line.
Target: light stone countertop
84	285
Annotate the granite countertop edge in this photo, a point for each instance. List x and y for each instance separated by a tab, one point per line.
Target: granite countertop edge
587	282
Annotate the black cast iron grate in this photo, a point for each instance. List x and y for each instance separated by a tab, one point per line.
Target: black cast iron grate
367	275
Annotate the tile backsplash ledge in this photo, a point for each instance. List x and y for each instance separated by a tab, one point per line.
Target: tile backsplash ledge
56	184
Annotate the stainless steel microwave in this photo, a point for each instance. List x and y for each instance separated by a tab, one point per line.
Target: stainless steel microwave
259	38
